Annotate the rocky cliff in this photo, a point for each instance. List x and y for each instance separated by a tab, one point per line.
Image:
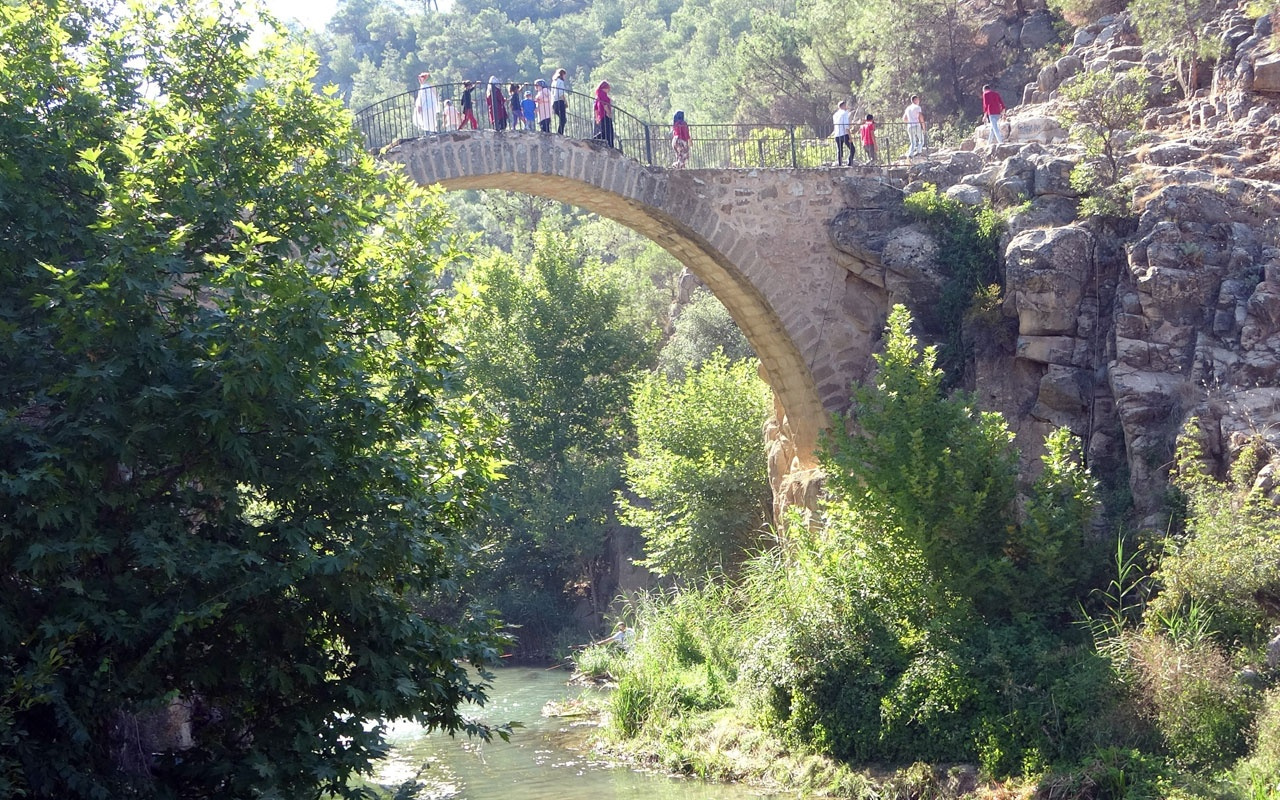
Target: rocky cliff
1123	329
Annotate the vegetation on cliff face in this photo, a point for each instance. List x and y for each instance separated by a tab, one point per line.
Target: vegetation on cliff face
234	460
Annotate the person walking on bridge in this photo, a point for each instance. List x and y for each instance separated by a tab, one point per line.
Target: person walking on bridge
426	108
518	122
868	132
840	123
680	141
559	98
468	105
604	114
497	103
914	117
542	105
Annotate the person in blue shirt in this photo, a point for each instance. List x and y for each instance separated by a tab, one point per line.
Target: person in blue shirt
530	110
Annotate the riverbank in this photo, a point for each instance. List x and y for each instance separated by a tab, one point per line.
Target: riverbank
722	746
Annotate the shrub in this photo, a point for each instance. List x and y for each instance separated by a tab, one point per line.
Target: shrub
1201	711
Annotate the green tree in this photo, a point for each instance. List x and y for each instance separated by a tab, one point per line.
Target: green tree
233	459
702	329
1104	113
938	474
552	349
699	472
1178	29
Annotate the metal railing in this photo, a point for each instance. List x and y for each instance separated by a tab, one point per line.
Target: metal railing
766	146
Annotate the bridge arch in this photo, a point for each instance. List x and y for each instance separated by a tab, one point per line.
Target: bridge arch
758	239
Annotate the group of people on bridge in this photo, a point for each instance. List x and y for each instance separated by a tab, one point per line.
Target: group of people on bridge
522	106
842	123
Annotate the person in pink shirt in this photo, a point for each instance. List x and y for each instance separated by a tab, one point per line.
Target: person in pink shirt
680	141
992	108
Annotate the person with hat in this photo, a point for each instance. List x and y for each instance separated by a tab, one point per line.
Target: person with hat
426	108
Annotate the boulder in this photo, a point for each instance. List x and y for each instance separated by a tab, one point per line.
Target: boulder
1067	66
966	194
1045	272
1037	31
910	260
1266	73
1083	38
1045	130
1167	154
1048	79
1045	211
1048	349
1053	176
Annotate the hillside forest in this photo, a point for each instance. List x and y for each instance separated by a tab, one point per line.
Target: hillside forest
289	445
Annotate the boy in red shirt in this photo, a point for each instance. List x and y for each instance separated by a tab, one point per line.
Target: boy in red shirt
868	133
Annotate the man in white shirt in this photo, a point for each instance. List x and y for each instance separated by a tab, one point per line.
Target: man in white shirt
914	117
840	121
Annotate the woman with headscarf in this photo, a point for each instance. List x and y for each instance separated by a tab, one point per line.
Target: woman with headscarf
604	114
680	141
497	103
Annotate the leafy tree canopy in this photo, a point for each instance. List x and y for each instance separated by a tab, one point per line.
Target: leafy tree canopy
233	461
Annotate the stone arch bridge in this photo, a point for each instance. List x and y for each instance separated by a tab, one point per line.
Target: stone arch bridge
789	252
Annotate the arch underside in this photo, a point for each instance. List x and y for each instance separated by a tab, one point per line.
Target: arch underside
786	368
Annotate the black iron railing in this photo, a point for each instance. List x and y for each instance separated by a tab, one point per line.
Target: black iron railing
771	145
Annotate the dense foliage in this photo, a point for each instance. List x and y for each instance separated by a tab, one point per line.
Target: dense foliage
234	463
927	619
701	495
552	352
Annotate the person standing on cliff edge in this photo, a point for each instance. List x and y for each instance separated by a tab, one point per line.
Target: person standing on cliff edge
914	117
992	108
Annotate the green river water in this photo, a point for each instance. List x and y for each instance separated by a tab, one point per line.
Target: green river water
549	758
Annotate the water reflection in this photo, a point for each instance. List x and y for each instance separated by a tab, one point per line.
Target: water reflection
547	759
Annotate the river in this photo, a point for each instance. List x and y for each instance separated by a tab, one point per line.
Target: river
549	758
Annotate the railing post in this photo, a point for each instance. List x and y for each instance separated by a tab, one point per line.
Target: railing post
648	146
791	129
